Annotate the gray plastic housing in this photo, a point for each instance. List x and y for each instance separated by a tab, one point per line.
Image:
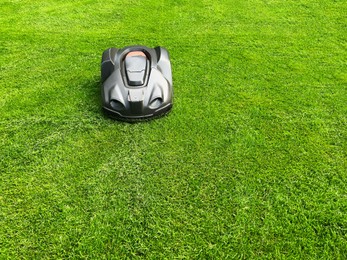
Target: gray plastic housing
136	82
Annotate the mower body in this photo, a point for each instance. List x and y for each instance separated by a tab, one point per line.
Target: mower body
136	82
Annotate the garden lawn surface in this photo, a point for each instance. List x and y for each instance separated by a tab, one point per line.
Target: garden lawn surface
250	163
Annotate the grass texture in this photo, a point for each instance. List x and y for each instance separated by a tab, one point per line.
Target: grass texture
251	162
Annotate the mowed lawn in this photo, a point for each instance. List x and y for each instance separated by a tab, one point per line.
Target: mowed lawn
251	162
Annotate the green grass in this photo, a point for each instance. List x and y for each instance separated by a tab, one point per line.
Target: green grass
251	162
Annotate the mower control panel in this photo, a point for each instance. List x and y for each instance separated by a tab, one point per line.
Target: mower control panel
136	64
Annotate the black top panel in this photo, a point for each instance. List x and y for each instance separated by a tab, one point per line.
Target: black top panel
135	67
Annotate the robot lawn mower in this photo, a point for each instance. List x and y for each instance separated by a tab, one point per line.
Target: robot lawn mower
136	82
